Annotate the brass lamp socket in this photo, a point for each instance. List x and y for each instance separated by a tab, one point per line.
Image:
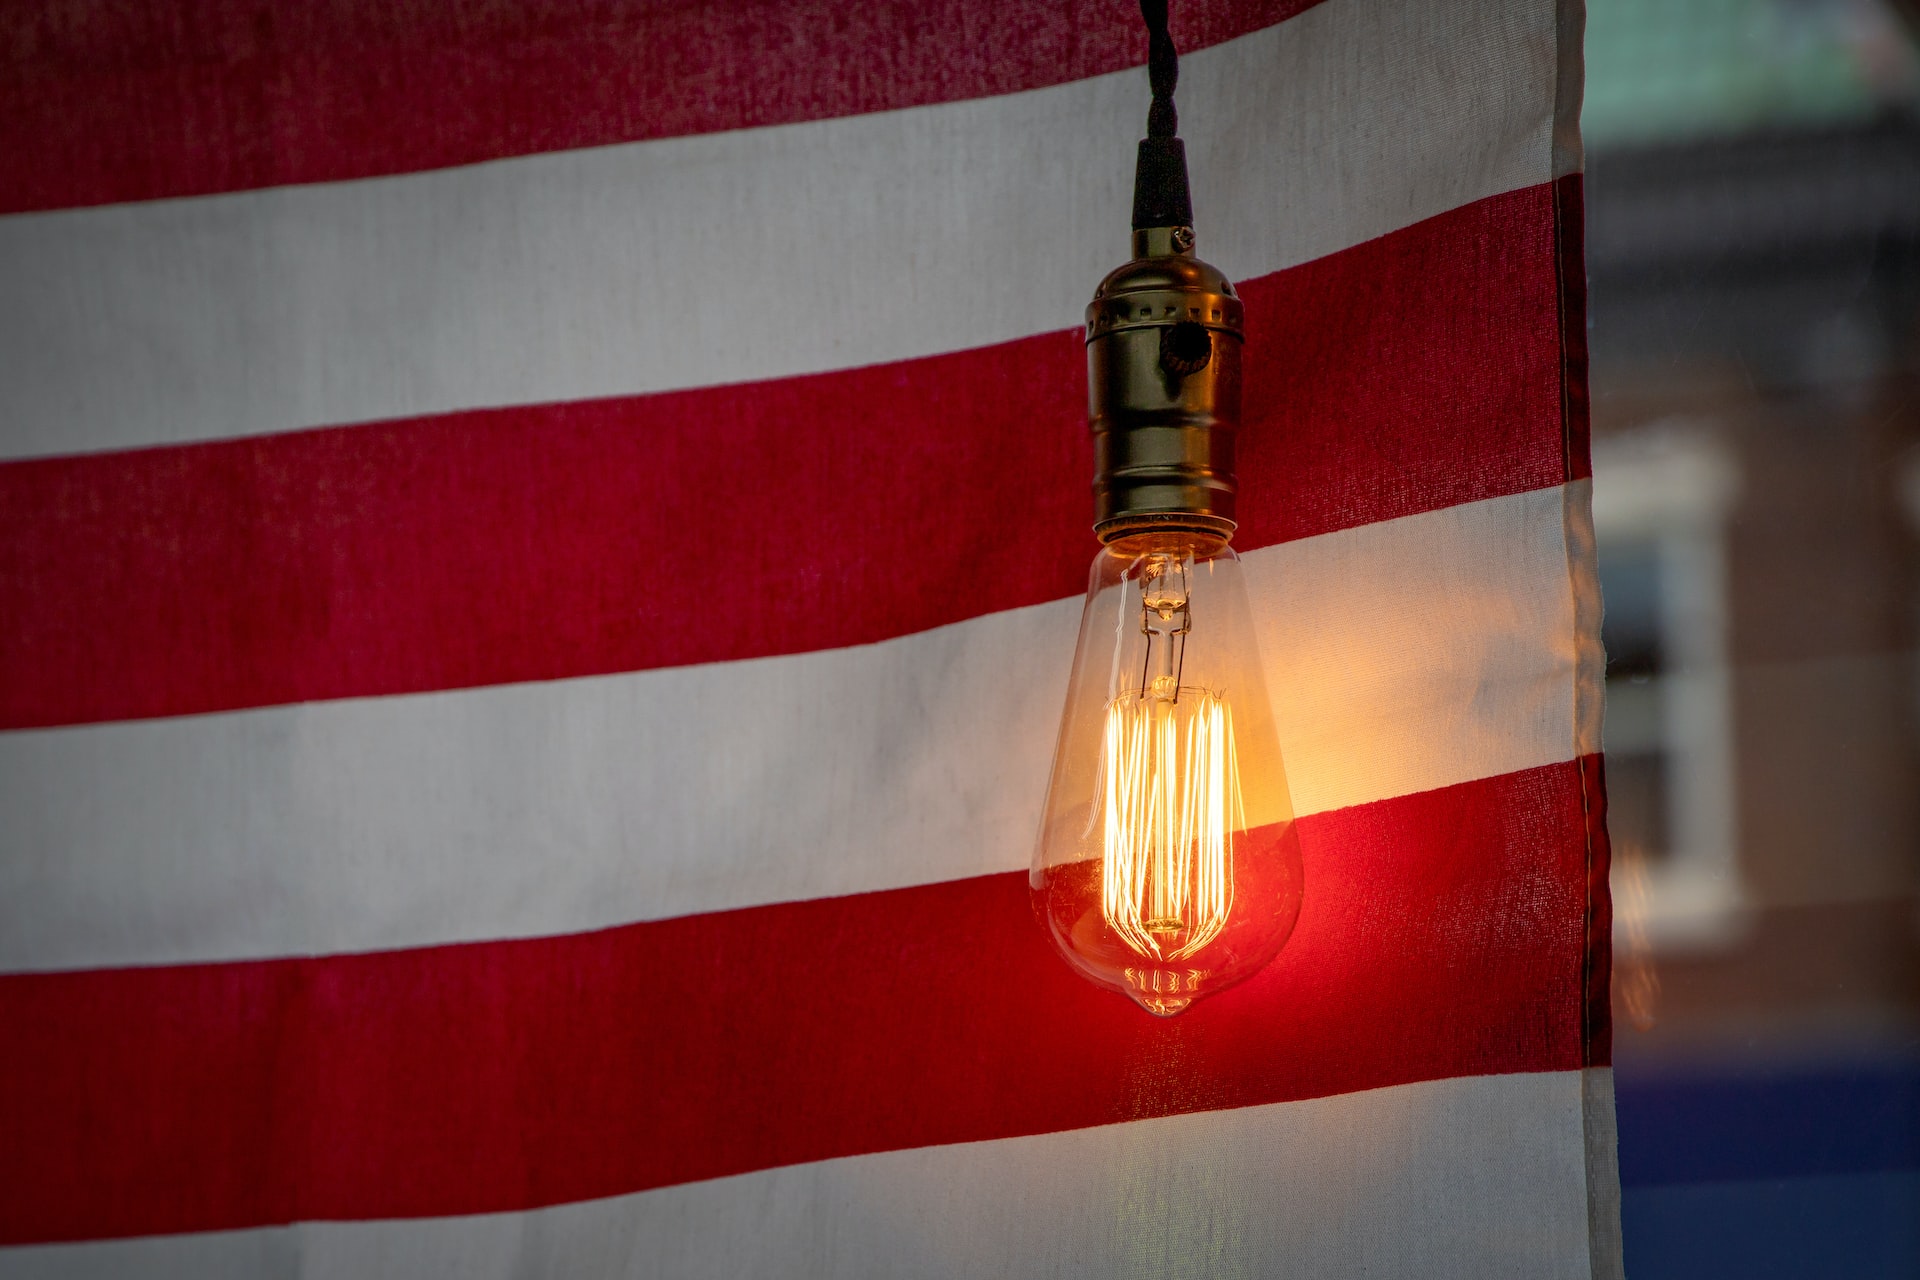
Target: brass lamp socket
1164	334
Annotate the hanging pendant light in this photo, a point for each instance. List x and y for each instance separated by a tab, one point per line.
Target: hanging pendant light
1167	865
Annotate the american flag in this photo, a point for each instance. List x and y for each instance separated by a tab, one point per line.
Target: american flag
539	557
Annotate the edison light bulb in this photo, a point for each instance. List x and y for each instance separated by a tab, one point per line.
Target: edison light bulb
1168	866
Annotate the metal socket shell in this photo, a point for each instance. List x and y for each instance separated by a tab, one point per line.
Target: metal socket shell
1164	336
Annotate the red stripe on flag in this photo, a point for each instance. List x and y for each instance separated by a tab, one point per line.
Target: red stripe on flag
148	100
1410	373
1442	935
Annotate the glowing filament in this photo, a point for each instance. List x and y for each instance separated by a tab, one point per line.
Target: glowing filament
1171	787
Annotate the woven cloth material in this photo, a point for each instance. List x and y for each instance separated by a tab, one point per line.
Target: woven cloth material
539	559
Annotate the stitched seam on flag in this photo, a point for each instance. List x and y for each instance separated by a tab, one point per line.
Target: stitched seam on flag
1571	300
1566	442
1602	1180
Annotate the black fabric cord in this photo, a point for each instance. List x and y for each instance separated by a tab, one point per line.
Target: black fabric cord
1163	70
1160	196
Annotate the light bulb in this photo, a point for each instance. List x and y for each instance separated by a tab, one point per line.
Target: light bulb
1167	865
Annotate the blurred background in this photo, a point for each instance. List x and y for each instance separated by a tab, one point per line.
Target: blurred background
1753	202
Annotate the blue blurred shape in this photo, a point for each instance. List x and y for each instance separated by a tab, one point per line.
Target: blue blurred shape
1862	1226
1701	1126
1804	1171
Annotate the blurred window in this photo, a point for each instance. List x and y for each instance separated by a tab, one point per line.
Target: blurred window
1661	500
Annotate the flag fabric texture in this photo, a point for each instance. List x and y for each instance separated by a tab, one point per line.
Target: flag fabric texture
540	549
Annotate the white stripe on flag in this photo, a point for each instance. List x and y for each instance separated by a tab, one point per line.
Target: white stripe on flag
1405	655
747	255
1478	1178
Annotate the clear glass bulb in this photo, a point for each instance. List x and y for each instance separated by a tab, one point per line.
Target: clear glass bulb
1167	866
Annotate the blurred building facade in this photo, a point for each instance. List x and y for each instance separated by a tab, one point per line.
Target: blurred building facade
1753	237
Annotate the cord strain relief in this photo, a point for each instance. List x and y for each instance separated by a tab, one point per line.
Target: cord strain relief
1160	197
